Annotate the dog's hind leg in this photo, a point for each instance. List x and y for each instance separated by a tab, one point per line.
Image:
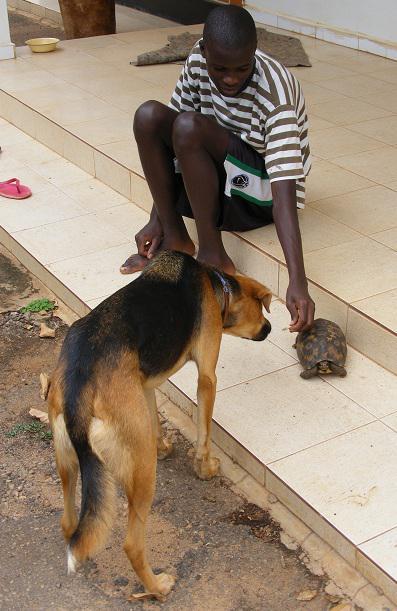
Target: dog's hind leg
164	445
67	466
137	473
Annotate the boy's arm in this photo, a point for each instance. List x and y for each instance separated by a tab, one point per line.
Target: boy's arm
298	300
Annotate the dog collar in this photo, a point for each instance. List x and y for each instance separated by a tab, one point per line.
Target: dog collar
226	295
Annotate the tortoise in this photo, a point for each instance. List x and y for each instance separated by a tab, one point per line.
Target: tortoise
322	349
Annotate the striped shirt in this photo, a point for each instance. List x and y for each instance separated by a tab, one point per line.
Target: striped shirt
269	114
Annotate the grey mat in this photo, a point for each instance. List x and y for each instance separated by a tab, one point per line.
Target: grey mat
286	49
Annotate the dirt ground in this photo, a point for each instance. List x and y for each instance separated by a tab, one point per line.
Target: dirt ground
24	26
225	553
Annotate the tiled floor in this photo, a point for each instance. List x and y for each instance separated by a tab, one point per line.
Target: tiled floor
331	441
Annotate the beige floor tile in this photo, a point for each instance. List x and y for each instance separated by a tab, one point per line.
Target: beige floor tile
130	101
104	131
63	58
60	172
359	500
32	153
273	424
80	274
340	141
112	174
70	238
280	336
340	269
382	580
388	101
368	384
93	42
372	339
50	134
160	75
315	94
328	180
252	262
318	231
78	152
120	53
382	308
388	238
316	124
388	74
13	83
359	86
84	74
383	551
93	195
367	211
127	218
94	302
348	111
87	108
391	421
29	177
124	152
327	306
40	97
379	165
232	369
45	206
363	63
320	72
382	130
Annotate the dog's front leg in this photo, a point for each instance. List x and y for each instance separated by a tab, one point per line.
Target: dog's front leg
205	465
164	445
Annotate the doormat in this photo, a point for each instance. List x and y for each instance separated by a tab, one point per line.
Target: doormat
286	49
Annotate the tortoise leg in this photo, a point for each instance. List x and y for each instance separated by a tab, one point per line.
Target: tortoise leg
309	373
338	369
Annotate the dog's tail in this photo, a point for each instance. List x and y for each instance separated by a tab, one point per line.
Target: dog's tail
97	506
71	400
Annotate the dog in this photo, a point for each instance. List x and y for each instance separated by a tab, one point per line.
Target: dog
101	399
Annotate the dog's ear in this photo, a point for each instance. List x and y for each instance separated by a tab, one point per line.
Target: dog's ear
266	297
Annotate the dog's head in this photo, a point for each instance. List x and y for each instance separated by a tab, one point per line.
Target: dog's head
245	315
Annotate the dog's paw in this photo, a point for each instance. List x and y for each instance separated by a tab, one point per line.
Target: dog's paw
206	468
163	586
164	448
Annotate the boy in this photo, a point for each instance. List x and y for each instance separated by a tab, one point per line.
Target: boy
237	126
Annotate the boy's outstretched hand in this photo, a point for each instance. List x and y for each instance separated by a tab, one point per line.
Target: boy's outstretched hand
300	305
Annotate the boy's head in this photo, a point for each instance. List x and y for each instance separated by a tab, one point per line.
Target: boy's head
229	44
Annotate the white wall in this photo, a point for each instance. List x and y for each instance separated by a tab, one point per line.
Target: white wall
372	19
7	50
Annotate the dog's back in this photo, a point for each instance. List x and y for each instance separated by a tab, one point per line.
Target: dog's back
96	400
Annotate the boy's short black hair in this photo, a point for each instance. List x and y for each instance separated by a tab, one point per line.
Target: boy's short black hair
230	27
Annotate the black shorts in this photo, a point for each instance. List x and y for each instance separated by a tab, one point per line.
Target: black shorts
246	199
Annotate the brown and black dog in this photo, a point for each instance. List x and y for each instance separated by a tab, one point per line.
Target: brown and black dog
102	404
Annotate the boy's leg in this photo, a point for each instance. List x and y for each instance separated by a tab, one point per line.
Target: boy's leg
153	126
200	145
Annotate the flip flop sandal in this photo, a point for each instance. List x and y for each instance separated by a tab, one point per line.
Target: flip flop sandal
14	190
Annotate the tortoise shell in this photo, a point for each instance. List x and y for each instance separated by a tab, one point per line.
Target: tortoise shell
324	341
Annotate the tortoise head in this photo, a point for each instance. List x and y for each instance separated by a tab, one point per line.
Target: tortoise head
323	367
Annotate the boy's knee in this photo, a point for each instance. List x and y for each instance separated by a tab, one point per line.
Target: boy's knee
187	130
148	117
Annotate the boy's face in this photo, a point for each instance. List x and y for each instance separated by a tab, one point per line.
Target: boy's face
230	71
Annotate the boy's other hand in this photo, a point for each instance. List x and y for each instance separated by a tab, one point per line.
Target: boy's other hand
300	305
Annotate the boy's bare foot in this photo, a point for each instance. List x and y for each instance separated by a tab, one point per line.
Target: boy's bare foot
220	260
136	262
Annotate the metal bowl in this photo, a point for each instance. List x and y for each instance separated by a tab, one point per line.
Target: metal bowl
42	45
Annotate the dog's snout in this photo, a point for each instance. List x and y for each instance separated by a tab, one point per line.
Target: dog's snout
264	332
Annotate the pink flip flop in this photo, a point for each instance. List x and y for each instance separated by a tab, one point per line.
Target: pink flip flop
14	190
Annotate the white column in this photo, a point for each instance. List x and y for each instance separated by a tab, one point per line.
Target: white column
7	48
